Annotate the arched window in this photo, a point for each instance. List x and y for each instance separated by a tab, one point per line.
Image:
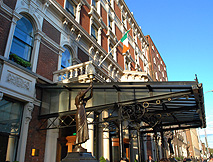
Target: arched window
66	60
22	44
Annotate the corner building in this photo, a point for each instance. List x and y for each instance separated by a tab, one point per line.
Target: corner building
54	41
157	67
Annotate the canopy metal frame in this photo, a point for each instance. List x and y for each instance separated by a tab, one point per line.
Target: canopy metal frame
166	106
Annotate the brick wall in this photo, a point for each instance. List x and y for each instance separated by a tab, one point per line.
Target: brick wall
154	67
104	15
61	2
141	64
47	61
120	57
139	44
4	31
85	20
118	33
117	10
36	139
131	51
104	43
51	31
10	3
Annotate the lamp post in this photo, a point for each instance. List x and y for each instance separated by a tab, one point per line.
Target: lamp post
205	132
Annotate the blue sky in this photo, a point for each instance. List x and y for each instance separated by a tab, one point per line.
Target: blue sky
182	31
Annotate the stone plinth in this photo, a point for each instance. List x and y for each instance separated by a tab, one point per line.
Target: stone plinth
79	157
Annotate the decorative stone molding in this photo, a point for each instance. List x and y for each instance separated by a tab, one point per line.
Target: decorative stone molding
72	30
29	108
91	49
78	37
46	3
18	81
65	21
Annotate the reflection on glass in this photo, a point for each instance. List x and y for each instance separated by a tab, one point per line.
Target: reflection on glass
70	7
66	60
23	39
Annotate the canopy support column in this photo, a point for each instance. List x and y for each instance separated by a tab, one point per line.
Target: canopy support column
121	143
156	144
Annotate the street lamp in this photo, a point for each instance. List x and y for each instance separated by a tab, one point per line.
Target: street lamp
205	132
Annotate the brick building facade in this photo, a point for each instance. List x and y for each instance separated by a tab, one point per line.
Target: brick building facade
45	41
157	66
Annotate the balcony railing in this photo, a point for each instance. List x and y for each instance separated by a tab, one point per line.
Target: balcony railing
79	73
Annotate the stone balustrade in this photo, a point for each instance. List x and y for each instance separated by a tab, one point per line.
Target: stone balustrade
79	73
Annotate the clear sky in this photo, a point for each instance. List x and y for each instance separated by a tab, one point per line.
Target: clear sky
182	31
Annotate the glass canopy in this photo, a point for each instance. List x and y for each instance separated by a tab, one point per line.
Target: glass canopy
172	105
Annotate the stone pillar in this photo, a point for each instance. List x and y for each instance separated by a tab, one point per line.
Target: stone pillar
10	148
99	36
78	13
89	144
106	153
28	108
35	52
51	145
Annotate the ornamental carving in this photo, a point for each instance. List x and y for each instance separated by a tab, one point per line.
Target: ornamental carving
18	81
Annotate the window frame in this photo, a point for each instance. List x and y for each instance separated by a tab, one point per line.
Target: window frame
24	43
94	3
73	5
95	36
71	56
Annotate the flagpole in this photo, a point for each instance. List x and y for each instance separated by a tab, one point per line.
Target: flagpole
109	53
111	50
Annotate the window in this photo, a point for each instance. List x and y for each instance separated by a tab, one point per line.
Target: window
10	125
110	48
94	3
66	60
94	32
70	7
110	23
22	44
